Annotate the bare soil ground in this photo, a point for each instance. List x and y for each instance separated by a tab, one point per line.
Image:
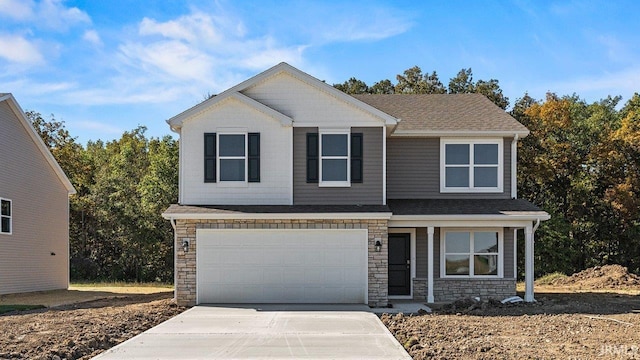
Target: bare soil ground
585	317
82	330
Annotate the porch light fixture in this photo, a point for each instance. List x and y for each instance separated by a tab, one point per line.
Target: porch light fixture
378	246
185	245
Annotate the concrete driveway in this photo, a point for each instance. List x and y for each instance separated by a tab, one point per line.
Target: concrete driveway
265	332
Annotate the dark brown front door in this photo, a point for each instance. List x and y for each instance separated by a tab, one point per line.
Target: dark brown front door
399	264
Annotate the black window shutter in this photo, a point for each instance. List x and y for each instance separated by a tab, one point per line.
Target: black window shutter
313	164
254	157
356	157
210	157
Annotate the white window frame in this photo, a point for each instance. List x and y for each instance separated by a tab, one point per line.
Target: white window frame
7	216
346	183
245	158
471	188
471	253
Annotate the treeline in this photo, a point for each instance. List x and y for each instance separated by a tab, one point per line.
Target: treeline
581	164
116	231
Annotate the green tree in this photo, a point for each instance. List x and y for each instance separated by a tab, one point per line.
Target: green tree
414	82
353	86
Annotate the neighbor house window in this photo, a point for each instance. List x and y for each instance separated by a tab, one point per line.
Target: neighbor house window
334	159
472	253
232	157
471	165
5	216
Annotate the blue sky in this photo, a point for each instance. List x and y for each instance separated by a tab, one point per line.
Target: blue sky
105	67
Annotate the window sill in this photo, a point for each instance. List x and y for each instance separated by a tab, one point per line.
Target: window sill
471	277
232	184
471	191
334	184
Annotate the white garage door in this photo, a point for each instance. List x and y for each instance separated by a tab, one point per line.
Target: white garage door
281	266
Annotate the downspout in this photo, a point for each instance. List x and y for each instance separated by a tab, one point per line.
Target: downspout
175	258
514	167
535	227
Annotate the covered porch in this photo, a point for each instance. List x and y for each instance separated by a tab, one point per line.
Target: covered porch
470	245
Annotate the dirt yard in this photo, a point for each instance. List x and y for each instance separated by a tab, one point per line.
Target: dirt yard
577	317
591	315
81	330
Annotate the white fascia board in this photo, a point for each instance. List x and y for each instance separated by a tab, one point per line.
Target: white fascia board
17	110
318	84
471	134
277	216
177	121
466	220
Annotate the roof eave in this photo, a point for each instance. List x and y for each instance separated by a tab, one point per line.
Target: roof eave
275	216
459	133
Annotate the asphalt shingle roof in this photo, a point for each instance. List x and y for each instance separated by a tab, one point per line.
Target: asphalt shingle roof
274	209
462	207
443	112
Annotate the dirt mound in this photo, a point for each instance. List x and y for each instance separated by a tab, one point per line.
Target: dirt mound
602	277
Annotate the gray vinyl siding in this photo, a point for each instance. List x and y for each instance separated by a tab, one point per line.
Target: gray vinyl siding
413	170
40	214
508	253
369	192
421	253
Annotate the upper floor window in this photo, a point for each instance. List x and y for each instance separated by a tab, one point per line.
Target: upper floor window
334	158
471	165
5	216
232	157
472	253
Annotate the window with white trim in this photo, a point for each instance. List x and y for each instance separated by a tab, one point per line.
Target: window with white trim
5	216
471	165
334	164
472	253
232	157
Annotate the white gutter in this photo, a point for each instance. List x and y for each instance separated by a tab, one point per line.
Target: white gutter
536	216
535	227
514	166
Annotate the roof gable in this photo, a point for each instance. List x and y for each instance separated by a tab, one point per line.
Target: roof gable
19	113
177	121
384	117
445	115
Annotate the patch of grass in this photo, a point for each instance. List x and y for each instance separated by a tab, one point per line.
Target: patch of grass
92	284
550	279
10	308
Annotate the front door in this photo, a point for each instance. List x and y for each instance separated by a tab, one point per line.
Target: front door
399	264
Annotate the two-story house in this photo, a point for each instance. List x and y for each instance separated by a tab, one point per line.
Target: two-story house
293	192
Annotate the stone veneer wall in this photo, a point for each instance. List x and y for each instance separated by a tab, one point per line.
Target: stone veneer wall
186	262
453	289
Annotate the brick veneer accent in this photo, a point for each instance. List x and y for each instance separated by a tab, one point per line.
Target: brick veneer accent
186	262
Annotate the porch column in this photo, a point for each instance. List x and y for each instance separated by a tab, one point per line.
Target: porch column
430	264
528	264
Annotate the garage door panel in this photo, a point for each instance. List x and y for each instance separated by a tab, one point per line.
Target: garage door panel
295	266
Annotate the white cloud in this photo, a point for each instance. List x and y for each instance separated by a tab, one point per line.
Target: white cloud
17	9
174	58
53	14
17	49
50	14
92	37
623	82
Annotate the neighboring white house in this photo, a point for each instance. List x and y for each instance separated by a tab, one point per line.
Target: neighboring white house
34	198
